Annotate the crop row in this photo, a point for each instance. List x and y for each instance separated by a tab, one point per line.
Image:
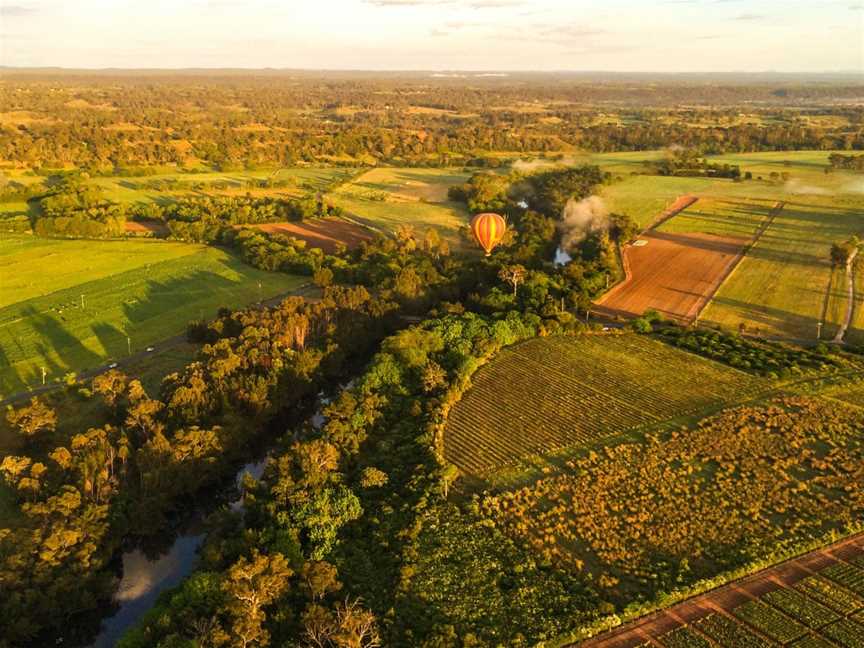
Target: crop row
770	622
846	575
801	607
586	388
683	638
728	633
830	594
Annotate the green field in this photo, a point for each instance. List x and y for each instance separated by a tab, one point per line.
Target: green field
146	290
730	217
644	198
298	181
780	286
784	286
587	388
386	198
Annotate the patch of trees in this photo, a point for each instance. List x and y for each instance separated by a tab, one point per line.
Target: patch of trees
81	491
77	210
689	163
358	511
207	219
847	162
230	123
761	358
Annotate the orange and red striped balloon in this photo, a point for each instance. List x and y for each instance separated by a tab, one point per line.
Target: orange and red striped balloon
488	230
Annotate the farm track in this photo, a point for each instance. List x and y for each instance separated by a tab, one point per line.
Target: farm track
850	297
681	203
723	600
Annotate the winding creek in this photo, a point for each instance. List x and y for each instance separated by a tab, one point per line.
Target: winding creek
144	578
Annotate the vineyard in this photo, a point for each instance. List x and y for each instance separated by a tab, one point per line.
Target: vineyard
587	388
645	516
819	610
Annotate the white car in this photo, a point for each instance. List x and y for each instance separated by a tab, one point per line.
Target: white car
113	365
150	349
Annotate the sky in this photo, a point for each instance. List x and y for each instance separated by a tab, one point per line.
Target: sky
476	35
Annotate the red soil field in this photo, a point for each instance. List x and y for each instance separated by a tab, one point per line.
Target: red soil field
325	233
675	274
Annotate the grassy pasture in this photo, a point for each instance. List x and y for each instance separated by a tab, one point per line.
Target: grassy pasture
128	190
142	289
781	284
644	198
587	388
719	217
387	198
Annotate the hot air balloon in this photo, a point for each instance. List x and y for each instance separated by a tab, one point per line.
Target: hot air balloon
488	230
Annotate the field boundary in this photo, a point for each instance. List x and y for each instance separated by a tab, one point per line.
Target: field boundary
669	618
775	211
673	210
678	205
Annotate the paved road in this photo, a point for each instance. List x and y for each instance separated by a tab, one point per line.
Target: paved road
307	290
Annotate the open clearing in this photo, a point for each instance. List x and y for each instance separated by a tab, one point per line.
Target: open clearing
588	388
146	290
683	261
325	233
383	199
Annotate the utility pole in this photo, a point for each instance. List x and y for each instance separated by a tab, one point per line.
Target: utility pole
44	373
129	344
819	331
82	302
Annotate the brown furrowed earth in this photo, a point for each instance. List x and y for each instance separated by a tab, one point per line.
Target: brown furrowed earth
143	228
674	274
325	233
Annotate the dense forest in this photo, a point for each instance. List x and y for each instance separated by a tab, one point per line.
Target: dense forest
121	123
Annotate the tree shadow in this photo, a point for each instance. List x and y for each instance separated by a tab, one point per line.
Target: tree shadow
54	338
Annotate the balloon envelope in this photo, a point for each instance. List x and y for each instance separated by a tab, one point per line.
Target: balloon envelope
488	230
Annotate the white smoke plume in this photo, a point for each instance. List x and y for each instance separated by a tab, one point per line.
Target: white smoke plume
797	187
537	164
856	186
581	218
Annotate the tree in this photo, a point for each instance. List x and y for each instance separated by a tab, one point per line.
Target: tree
31	419
512	274
251	585
319	578
372	477
323	277
111	385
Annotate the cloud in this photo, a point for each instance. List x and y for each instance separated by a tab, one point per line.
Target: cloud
750	16
15	11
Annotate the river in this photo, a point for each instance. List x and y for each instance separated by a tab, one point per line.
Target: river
145	578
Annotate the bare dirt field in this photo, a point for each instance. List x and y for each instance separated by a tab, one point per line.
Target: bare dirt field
674	274
325	233
140	228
